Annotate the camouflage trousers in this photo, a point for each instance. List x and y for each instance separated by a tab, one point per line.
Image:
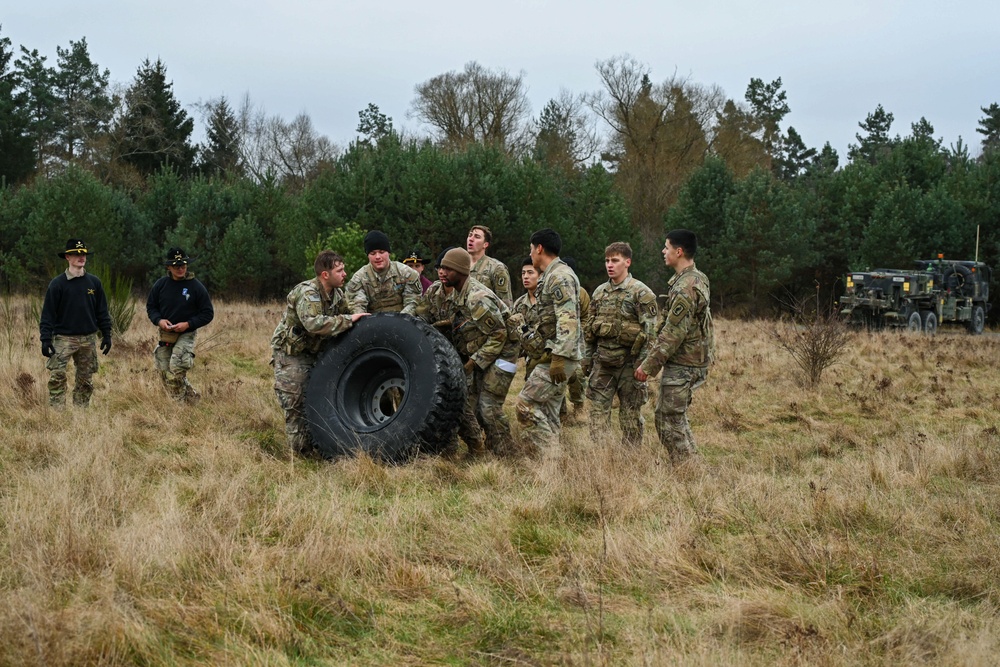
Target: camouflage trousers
83	351
677	383
174	360
577	385
492	386
291	374
604	383
538	406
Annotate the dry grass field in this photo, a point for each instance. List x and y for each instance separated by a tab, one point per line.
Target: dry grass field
851	524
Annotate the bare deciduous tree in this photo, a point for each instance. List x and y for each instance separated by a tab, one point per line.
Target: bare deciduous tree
659	135
475	105
271	147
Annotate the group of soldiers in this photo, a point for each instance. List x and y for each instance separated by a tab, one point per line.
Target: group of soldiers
611	342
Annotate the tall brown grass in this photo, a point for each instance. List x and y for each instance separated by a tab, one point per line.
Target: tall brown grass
850	523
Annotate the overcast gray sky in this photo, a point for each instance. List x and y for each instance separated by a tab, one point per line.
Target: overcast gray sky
330	59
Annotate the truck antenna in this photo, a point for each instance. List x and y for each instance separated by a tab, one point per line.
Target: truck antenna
977	244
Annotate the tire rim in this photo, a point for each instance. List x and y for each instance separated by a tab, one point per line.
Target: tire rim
372	390
387	399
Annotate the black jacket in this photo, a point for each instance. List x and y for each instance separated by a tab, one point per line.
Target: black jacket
74	307
180	301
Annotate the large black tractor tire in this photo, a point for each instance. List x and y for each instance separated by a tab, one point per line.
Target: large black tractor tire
392	387
930	321
978	321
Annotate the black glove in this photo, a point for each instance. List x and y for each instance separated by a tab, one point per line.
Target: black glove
47	349
106	344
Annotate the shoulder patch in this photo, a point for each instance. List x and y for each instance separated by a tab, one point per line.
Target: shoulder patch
679	310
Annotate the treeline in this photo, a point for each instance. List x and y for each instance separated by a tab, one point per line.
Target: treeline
779	222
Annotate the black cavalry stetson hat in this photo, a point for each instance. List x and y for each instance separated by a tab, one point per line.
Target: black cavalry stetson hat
74	247
177	257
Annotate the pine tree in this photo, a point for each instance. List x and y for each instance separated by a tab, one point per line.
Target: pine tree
16	154
989	127
875	144
153	129
221	155
84	108
38	100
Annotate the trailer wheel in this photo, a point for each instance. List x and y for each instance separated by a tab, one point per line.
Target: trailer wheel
978	321
392	386
930	322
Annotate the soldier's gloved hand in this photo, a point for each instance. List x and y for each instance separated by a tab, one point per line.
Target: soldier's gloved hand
47	349
470	366
442	324
106	344
557	369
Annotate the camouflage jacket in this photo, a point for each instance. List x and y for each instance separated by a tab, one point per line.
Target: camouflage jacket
494	275
686	335
524	321
435	306
311	318
558	295
479	327
395	290
620	322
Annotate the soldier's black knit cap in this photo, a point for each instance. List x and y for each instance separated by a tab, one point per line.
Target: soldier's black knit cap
376	240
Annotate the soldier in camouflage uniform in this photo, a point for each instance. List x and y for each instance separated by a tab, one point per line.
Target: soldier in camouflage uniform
178	305
617	327
382	285
558	306
316	312
576	386
489	271
480	321
684	347
436	308
524	319
75	309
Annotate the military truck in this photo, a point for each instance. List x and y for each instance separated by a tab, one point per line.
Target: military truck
934	292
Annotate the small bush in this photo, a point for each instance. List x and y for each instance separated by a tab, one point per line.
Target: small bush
121	304
814	346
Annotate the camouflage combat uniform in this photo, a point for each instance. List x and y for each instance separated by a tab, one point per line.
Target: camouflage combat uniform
618	325
311	318
576	384
493	274
480	334
684	348
74	310
435	307
397	289
538	404
524	324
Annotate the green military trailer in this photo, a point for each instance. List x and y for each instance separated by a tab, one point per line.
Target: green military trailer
934	292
